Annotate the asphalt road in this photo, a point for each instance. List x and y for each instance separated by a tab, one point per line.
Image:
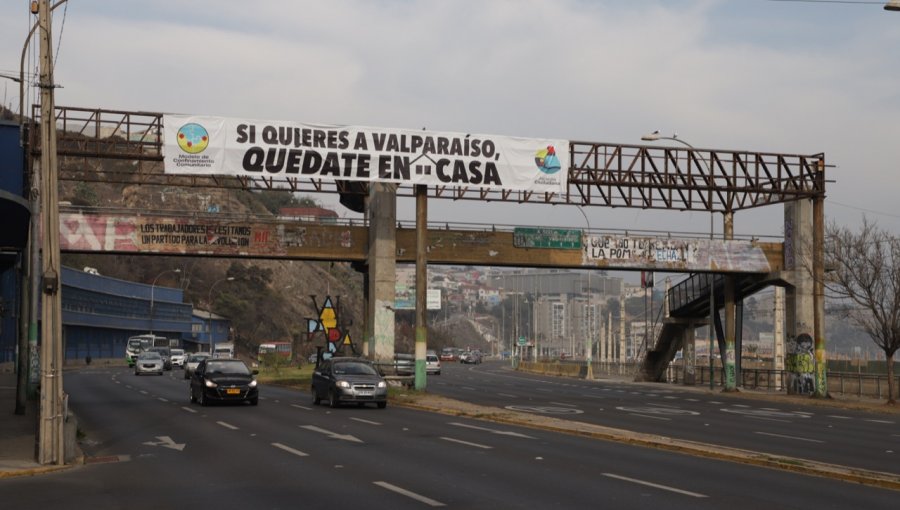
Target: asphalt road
150	448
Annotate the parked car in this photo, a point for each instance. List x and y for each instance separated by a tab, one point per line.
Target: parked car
192	361
177	357
348	380
223	380
432	364
470	357
165	354
149	362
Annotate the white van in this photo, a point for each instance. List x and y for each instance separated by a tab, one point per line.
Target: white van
224	350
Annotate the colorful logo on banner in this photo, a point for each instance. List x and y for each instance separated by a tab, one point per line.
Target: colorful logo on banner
547	161
327	323
193	138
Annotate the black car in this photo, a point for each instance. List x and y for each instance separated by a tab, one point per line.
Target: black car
346	380
223	380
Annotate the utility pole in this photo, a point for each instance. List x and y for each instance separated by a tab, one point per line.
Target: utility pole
50	443
421	284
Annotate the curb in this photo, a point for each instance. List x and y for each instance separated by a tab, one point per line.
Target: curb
792	464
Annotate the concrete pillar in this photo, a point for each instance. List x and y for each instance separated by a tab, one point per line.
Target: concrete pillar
689	357
622	333
382	275
778	333
730	319
799	357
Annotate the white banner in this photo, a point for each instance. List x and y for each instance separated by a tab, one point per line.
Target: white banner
222	146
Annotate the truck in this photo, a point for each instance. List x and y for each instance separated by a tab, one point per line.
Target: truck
140	343
224	350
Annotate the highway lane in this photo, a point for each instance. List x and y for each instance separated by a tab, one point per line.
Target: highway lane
287	453
846	437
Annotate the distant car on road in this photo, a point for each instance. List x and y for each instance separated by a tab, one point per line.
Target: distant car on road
149	362
470	357
177	357
223	380
165	354
348	380
432	364
192	361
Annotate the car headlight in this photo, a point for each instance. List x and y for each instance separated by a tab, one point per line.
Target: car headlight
209	384
382	384
252	383
343	384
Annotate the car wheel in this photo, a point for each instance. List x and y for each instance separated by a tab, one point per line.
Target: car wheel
136	372
332	399
254	402
382	405
315	397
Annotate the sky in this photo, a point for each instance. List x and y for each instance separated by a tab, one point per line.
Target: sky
798	77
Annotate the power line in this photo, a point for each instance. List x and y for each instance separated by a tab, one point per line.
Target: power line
847	2
892	215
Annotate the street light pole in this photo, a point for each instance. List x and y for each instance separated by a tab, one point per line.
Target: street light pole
588	341
655	136
152	291
209	331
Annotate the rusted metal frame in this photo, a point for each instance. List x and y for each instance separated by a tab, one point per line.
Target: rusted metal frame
686	181
648	179
715	190
752	191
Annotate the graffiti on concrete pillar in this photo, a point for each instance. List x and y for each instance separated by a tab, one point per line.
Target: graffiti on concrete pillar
327	324
800	365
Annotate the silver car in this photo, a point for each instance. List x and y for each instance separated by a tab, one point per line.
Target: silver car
190	364
148	362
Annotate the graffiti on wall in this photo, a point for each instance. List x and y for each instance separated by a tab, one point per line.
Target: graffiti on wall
680	254
327	325
800	365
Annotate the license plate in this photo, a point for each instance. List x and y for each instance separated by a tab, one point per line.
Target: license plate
233	391
364	393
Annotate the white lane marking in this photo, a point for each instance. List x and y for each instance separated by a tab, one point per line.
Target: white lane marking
669	406
400	490
769	419
290	450
564	404
655	485
162	399
143	392
467	388
188	409
333	435
693	399
715	402
839	417
648	416
880	421
795	438
166	442
227	425
128	386
492	431
302	407
370	422
803	412
771	409
545	390
506	395
467	443
743	406
671	398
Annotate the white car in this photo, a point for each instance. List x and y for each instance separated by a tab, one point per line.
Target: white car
177	356
432	364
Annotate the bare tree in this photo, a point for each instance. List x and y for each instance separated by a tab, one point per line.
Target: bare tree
864	271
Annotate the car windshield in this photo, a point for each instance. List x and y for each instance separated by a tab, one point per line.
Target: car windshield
177	352
150	355
197	358
230	367
354	368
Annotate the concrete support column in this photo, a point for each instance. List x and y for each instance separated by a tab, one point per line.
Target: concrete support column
730	319
382	274
778	333
799	356
689	356
421	283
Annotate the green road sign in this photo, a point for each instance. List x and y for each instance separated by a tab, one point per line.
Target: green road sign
563	239
523	341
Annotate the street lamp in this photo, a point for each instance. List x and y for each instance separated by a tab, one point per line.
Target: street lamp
588	341
152	289
209	331
652	137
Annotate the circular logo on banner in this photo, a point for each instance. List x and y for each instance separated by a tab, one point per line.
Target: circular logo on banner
547	161
193	138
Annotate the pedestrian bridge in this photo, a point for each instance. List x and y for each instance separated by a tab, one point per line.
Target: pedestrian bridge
221	235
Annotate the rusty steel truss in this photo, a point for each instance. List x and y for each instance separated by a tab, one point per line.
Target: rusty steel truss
601	174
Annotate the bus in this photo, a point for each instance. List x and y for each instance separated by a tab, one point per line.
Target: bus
280	351
140	343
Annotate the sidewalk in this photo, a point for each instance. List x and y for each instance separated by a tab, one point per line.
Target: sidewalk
18	433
